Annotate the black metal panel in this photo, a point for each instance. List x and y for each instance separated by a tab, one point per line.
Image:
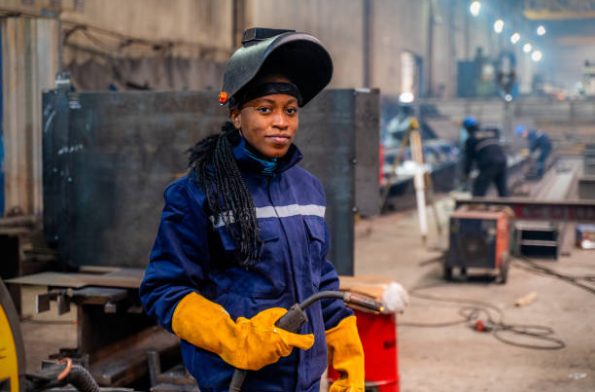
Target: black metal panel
367	144
108	157
326	137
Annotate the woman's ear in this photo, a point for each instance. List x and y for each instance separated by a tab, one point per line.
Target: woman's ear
234	116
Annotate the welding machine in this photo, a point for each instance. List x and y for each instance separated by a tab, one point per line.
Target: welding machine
479	238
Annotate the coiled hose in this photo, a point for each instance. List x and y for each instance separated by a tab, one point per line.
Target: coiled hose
61	373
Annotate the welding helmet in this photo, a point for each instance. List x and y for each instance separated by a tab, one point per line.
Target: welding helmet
470	123
299	57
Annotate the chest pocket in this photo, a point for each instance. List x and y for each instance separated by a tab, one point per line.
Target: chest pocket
316	236
266	279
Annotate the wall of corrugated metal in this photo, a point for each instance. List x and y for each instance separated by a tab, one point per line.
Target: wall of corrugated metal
145	28
396	26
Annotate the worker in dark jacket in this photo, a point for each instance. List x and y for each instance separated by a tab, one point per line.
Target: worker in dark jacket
483	147
538	143
243	236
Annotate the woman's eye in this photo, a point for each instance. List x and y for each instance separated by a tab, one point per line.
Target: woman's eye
263	109
291	111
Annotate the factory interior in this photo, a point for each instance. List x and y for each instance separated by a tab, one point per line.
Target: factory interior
452	152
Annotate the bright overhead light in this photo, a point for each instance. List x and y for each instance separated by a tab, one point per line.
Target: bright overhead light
515	38
541	30
499	26
536	56
527	47
474	8
406	97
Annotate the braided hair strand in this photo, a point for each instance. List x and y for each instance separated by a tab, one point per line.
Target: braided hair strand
217	173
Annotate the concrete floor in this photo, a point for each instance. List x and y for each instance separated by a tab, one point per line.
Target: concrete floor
453	358
456	358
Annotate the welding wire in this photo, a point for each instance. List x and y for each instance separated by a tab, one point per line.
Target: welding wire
492	316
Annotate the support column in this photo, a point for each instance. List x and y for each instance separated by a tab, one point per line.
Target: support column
30	53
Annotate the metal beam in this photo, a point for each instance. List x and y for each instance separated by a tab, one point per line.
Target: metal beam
559	9
559	211
558	15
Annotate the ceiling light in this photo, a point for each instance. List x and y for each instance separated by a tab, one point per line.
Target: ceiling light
474	8
536	56
541	30
406	97
515	38
499	26
527	47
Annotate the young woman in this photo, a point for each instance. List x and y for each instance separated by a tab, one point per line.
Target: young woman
243	236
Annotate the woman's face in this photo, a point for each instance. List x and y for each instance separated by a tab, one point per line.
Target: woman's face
268	123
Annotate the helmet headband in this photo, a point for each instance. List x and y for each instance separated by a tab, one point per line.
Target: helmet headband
263	89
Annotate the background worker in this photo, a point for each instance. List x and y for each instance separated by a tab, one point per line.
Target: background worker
538	143
243	237
483	147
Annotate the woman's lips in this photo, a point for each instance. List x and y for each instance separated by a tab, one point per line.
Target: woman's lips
279	139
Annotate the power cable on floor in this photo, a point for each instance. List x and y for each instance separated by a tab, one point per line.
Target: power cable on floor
485	317
530	265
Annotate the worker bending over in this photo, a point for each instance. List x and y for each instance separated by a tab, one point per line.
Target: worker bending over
483	148
538	143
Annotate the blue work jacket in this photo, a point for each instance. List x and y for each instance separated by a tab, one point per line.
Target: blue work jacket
193	252
539	141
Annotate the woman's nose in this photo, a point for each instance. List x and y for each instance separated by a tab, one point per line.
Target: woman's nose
280	120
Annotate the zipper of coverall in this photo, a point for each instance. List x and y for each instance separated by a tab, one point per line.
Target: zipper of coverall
296	298
291	264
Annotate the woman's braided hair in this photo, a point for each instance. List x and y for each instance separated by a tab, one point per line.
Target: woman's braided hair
228	198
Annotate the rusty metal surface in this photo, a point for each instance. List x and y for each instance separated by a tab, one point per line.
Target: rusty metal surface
28	221
561	211
108	157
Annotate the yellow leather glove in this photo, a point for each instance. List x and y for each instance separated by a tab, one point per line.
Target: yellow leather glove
346	355
248	344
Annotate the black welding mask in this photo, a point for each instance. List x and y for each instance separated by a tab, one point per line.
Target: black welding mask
299	57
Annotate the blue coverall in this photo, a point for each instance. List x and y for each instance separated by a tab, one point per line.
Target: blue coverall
539	141
193	252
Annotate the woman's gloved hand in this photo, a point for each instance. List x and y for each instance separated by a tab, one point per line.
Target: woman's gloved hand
346	355
248	344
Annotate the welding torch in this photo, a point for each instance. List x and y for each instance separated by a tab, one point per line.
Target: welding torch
296	317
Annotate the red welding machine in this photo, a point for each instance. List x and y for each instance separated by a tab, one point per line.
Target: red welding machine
479	238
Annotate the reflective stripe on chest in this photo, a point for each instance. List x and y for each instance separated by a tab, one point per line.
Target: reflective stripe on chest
272	212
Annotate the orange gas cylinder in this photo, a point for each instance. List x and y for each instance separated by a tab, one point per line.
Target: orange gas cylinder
378	333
